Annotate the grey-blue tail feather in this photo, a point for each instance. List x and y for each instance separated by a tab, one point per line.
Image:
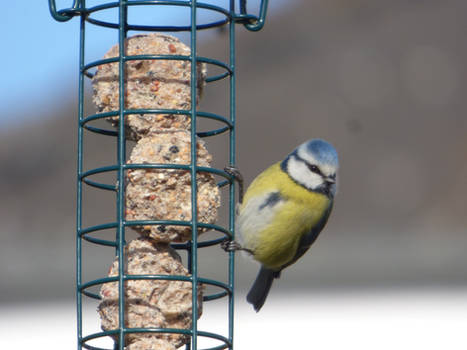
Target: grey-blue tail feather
260	289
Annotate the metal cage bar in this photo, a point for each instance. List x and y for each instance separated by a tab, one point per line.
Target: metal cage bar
92	234
121	160
193	251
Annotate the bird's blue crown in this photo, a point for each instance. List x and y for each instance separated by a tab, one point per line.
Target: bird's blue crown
322	151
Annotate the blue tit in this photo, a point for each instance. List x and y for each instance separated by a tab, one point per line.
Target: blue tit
284	210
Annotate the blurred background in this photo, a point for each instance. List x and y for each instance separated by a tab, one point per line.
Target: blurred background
384	81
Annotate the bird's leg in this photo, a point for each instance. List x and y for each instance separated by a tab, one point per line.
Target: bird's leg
235	173
231	246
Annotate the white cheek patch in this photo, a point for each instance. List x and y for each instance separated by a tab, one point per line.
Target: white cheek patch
254	217
299	171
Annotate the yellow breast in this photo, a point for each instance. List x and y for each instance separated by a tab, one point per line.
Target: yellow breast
276	241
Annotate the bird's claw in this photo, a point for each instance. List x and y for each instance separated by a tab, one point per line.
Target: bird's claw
235	173
232	246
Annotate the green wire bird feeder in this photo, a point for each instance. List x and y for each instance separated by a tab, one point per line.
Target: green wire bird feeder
117	105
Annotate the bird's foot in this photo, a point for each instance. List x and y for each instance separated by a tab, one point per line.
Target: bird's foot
235	173
231	246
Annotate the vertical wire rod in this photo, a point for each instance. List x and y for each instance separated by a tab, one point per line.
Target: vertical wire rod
232	161
79	190
121	155
194	189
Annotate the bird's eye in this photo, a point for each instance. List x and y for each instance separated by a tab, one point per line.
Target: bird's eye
313	168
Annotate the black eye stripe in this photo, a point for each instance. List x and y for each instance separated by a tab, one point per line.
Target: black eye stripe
313	168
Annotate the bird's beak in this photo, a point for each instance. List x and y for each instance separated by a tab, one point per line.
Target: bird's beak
330	180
